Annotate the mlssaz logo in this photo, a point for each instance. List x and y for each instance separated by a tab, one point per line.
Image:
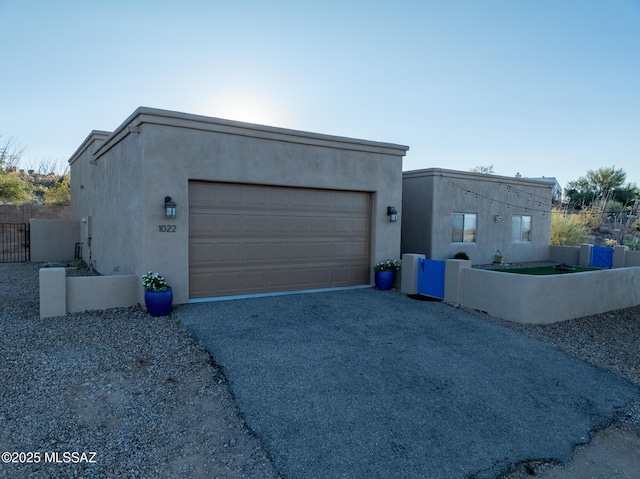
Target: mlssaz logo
70	457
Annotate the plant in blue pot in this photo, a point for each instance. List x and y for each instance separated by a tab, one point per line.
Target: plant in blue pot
158	295
385	273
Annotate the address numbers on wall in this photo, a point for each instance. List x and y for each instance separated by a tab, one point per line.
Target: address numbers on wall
167	228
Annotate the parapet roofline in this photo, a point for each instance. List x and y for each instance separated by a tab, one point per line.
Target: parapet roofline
154	116
95	135
471	175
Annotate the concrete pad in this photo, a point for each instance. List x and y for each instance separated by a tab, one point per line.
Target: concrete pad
368	383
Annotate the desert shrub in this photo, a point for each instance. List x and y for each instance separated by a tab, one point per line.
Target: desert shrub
567	230
461	255
590	218
634	244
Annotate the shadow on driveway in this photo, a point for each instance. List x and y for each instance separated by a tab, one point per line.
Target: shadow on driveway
371	384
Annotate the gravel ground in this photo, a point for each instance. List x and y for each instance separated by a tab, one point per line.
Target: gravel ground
135	390
150	402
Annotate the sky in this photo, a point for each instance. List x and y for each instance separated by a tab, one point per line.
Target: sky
537	87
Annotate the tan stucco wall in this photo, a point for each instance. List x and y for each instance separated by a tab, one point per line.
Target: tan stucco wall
53	240
155	153
632	258
565	254
547	299
430	197
60	294
85	293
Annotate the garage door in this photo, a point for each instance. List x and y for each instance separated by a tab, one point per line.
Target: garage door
247	239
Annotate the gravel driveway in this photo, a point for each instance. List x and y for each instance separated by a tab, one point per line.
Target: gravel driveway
146	397
365	383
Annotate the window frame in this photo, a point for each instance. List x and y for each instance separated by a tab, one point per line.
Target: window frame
465	227
521	228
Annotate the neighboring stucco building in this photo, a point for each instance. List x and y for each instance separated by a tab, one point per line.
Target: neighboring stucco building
556	190
446	211
259	209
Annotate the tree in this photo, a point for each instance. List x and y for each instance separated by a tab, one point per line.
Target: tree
599	186
487	170
579	193
605	180
10	154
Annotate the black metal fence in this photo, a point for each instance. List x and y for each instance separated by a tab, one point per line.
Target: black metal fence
14	242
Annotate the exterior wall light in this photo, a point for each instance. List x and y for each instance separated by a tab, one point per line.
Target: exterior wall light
169	207
392	214
497	218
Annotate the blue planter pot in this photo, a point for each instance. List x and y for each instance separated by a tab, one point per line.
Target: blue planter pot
385	279
158	302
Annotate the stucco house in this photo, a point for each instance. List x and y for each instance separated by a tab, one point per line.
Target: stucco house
223	208
446	211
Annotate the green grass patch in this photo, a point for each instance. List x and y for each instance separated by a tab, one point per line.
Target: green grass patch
546	270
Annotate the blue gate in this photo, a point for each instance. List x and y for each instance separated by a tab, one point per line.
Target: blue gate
431	277
601	257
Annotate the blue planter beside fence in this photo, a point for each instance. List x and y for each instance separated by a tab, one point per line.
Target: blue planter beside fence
384	279
158	302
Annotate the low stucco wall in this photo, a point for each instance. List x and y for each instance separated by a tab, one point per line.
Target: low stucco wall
101	292
53	240
632	258
548	299
565	254
60	295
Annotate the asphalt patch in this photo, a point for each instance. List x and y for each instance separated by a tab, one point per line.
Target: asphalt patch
367	383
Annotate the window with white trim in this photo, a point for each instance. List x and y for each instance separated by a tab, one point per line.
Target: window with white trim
521	228
463	228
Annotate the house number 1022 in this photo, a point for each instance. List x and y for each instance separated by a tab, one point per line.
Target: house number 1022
167	228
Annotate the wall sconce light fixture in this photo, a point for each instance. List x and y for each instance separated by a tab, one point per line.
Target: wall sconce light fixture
169	207
497	218
392	214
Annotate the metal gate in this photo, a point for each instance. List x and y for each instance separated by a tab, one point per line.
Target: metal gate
14	243
431	277
601	257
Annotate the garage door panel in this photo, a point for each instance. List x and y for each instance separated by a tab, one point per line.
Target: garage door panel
342	250
360	226
252	238
322	225
343	225
343	201
300	251
223	224
322	200
302	199
360	250
278	224
279	198
200	224
321	277
255	197
253	224
301	225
